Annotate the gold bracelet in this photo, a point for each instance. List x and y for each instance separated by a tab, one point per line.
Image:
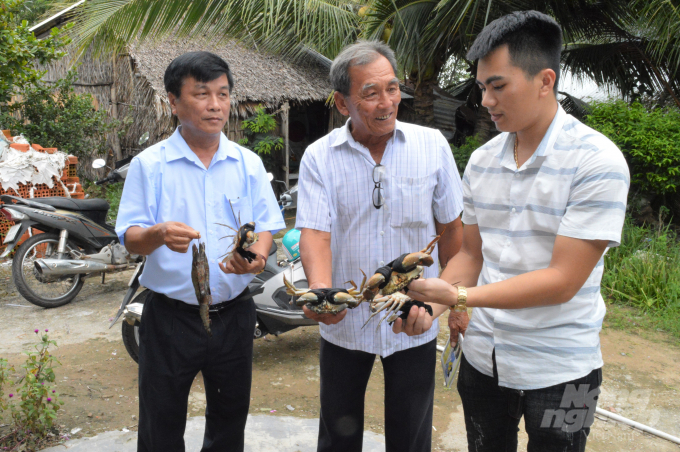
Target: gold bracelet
461	303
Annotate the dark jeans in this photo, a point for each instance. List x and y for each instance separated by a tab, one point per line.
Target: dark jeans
409	396
557	418
173	348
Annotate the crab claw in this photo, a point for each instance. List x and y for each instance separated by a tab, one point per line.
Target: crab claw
308	297
418	258
375	281
346	298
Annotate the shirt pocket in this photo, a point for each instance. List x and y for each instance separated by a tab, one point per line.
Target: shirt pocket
411	202
241	209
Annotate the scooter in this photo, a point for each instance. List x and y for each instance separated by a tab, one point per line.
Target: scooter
49	269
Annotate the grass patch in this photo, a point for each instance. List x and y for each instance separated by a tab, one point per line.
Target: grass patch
641	282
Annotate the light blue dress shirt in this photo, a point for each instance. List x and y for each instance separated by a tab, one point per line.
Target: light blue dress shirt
168	182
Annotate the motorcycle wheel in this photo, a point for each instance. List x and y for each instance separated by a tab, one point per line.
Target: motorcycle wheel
131	333
47	293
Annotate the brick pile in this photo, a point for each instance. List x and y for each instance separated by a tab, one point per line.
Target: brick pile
29	190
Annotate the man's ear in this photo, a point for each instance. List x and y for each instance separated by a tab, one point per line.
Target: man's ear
547	79
173	103
341	103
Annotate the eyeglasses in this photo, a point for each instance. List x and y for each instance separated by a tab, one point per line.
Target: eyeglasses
378	191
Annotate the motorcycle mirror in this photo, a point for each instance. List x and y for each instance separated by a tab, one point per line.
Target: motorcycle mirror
144	138
99	163
270	176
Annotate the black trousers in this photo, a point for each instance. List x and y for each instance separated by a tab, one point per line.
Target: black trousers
492	413
409	396
173	348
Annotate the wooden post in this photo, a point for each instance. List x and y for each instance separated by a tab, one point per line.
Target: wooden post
115	141
285	109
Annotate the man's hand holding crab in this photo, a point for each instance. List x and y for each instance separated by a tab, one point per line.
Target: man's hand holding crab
442	295
240	266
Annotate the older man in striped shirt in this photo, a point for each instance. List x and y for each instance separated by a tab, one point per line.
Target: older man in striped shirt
370	191
543	201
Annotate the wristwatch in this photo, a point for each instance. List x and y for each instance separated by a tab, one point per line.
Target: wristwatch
461	304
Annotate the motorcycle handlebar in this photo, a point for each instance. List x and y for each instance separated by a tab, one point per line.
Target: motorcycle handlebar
103	181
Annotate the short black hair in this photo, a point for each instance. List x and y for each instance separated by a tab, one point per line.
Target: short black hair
203	66
534	42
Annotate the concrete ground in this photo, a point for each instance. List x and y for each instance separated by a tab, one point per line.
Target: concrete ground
263	434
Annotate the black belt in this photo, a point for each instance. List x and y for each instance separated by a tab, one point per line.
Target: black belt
214	308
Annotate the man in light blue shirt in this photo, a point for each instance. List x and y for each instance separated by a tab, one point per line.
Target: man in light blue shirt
175	192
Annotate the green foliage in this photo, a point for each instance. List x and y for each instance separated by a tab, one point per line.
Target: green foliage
454	71
53	115
259	137
262	122
32	10
20	50
462	154
644	271
111	192
268	144
31	402
650	140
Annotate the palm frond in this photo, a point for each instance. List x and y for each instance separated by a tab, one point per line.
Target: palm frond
661	22
406	21
281	26
624	64
574	106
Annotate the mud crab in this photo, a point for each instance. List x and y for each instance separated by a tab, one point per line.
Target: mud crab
384	289
244	238
326	301
200	277
399	273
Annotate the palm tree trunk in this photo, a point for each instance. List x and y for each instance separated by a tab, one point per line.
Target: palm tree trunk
423	101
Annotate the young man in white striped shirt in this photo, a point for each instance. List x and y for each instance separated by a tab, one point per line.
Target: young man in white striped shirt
543	201
370	191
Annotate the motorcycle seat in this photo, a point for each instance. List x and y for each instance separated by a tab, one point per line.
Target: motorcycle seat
97	205
272	250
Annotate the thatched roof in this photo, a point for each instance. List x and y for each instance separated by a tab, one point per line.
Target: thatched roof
258	77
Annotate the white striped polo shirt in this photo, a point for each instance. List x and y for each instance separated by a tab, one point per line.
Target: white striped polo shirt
336	185
574	185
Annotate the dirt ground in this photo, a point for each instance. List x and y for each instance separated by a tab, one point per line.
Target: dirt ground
98	380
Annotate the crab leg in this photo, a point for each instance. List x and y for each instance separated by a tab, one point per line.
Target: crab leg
394	316
227	226
380	304
291	289
430	247
392	311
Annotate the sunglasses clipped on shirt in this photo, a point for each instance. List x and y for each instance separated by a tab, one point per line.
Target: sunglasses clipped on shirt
378	190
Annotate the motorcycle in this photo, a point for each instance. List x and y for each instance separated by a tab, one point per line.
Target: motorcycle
49	268
288	200
275	313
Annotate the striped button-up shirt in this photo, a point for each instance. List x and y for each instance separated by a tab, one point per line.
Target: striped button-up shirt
574	185
421	184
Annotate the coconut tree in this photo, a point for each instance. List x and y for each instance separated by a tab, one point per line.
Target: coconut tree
604	39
